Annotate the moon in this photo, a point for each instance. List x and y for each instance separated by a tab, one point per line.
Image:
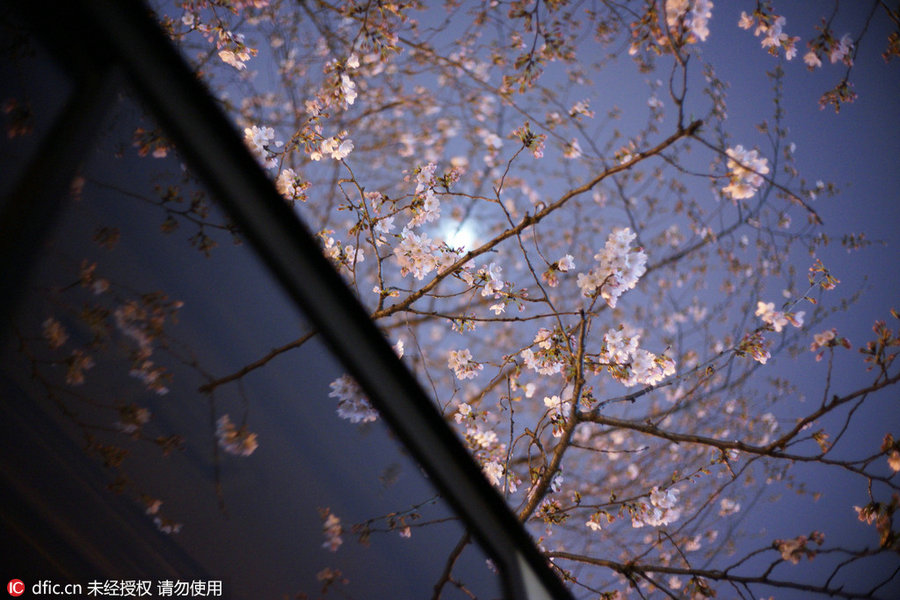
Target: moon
460	235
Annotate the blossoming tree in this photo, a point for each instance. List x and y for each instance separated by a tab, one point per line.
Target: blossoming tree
592	292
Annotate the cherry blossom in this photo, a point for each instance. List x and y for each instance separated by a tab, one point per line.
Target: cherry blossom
695	14
348	89
493	470
620	267
794	549
727	506
232	50
336	148
131	419
771	28
894	460
77	363
559	410
416	254
493	283
235	440
258	140
812	60
332	529
776	318
747	169
352	402
460	361
54	333
291	186
840	52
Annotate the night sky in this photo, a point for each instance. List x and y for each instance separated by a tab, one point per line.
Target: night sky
261	533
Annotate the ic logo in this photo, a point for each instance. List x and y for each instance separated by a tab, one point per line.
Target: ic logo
15	587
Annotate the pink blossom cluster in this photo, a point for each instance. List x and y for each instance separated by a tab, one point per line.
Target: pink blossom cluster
141	325
332	529
76	364
291	186
693	14
746	171
771	28
54	333
133	321
352	402
632	365
234	440
793	550
548	359
417	254
661	511
530	140
827	339
838	51
563	265
776	318
559	411
620	267
344	255
728	506
462	364
257	139
232	50
153	376
337	147
132	418
499	476
427	206
492	280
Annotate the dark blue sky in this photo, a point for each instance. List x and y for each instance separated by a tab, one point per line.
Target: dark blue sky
859	151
